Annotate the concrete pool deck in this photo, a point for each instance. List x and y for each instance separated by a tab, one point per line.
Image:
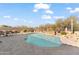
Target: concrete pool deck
15	45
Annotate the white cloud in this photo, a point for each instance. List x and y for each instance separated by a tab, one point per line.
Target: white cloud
46	17
45	7
69	8
30	22
49	12
41	6
15	19
57	17
24	20
6	16
9	17
75	10
35	10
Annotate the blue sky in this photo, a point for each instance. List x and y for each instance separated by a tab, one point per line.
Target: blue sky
31	14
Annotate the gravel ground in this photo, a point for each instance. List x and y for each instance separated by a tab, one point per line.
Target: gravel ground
15	45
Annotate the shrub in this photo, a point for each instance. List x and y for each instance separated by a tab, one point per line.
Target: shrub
63	33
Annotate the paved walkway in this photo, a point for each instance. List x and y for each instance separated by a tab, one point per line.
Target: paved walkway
15	45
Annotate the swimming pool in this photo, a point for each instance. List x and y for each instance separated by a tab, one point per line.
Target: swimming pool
43	40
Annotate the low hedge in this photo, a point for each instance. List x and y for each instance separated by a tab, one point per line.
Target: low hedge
63	33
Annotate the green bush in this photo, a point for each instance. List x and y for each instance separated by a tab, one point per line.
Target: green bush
63	33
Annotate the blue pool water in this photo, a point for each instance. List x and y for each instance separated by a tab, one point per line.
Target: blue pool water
43	40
